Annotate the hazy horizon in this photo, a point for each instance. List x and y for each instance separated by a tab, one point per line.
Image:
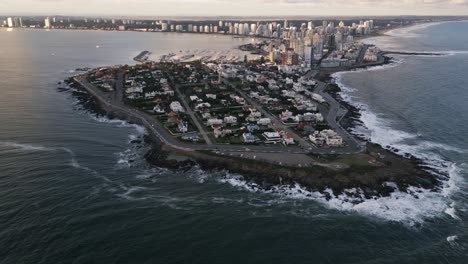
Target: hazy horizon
242	8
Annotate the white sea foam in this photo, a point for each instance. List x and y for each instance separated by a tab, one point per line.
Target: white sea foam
199	175
120	123
151	173
410	208
24	147
126	159
452	239
73	160
428	204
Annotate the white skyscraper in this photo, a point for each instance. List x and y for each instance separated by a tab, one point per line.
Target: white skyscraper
308	55
47	22
10	22
253	28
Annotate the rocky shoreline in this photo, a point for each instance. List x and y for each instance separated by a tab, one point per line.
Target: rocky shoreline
377	172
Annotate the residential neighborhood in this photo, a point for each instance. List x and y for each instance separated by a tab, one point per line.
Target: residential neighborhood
241	104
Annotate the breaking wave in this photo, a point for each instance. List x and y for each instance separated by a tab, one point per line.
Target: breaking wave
411	208
418	204
119	123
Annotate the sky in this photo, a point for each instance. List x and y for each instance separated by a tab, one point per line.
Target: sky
155	8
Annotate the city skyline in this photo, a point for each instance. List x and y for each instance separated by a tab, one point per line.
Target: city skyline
236	8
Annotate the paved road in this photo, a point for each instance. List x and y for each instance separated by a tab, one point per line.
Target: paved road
190	112
352	145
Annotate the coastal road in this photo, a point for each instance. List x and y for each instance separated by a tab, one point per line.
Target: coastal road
352	145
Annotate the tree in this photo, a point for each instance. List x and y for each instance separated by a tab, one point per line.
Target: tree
262	59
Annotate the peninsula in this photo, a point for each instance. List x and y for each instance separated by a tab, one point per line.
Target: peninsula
272	119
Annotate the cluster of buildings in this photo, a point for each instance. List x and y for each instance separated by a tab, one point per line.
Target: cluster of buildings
372	54
104	78
308	43
326	137
13	22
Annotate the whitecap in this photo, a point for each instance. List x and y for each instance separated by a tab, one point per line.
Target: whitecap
25	147
451	239
120	123
410	208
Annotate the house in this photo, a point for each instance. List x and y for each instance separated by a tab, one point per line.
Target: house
202	106
250	78
254	116
272	137
150	95
332	139
158	110
176	106
264	121
221	133
288	139
319	117
239	100
252	127
297	87
285	115
182	126
318	98
194	98
288	93
134	89
326	137
206	115
211	96
248	138
254	95
307	117
214	121
317	139
231	120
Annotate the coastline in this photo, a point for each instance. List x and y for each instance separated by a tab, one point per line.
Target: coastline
377	172
403	171
356	109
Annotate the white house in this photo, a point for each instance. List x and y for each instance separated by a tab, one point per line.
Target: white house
288	139
176	107
211	96
182	126
158	110
230	120
264	121
214	121
248	138
150	95
318	98
272	137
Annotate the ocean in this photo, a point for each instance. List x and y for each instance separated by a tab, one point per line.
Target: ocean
75	188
